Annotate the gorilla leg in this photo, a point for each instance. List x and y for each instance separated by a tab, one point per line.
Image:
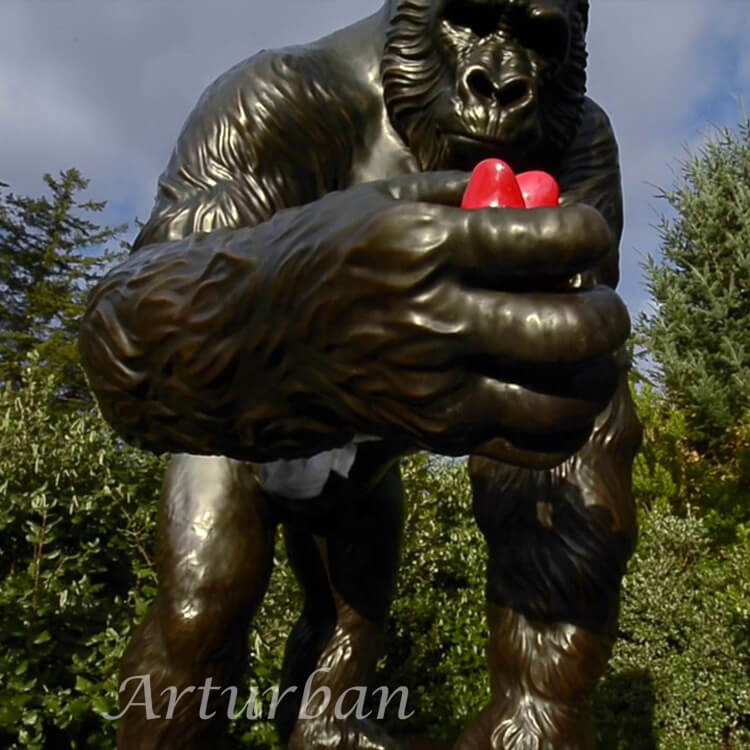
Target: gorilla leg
347	563
558	545
215	551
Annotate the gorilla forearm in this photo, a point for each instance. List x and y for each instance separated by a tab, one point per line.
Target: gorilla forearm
162	304
269	342
185	348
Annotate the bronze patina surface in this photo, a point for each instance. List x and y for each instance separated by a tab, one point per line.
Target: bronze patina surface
307	288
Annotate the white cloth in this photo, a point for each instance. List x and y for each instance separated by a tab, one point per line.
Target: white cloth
304	478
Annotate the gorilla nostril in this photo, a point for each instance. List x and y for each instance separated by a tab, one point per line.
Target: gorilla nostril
479	83
513	92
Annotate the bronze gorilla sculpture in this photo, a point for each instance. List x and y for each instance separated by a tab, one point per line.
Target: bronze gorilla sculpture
307	303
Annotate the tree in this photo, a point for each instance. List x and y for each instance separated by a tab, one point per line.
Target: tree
699	331
50	255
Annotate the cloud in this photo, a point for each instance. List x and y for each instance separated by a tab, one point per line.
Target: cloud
105	86
663	71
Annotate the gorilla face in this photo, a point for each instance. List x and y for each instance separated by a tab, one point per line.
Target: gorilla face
468	79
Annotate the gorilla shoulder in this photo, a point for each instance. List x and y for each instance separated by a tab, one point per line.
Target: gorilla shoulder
281	128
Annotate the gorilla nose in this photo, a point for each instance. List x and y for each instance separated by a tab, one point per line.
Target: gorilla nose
513	92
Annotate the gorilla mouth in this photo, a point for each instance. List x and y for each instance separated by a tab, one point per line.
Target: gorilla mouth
471	138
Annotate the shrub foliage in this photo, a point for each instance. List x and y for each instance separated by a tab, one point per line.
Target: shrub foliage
76	534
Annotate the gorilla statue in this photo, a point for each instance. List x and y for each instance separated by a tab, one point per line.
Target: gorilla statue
308	302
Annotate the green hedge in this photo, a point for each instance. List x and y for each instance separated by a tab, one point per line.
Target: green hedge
679	678
76	534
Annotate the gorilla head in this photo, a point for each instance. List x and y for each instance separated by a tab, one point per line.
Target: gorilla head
468	79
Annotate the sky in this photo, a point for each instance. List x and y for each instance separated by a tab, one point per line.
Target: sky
105	85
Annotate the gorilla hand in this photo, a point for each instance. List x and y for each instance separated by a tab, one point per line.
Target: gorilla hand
416	319
383	310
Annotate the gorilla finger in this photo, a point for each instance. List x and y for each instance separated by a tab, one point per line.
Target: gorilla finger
498	408
520	243
446	188
529	457
546	328
594	381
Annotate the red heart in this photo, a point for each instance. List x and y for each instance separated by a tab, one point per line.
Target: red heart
539	189
492	185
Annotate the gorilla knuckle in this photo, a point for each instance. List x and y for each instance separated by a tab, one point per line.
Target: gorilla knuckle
411	226
591	226
603	321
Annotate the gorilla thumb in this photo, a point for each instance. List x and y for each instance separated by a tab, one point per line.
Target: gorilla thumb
446	188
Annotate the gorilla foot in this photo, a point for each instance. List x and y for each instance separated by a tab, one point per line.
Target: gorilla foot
528	723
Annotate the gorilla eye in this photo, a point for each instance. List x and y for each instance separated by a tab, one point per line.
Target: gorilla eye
481	19
548	34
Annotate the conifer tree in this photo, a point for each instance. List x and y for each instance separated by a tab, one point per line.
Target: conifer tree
698	333
51	253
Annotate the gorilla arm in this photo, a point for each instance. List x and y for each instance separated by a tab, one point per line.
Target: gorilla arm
168	320
602	470
590	174
590	493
